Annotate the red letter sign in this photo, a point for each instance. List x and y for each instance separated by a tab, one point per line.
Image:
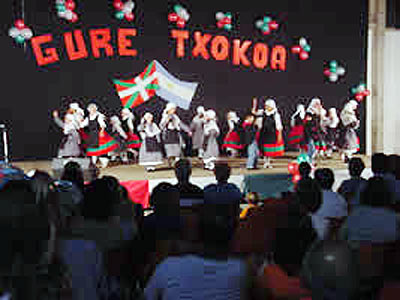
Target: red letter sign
278	58
51	53
239	52
80	51
124	44
180	36
220	47
201	45
260	55
100	39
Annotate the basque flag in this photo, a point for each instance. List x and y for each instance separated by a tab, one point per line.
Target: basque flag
155	80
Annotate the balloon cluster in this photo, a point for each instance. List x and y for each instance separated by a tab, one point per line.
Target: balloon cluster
180	16
334	71
124	10
293	168
360	92
266	25
303	49
224	20
65	10
20	32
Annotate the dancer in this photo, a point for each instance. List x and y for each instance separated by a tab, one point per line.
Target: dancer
317	111
132	140
332	122
78	113
296	135
232	142
171	127
197	128
250	141
349	142
310	136
120	136
150	154
211	132
99	142
70	144
271	140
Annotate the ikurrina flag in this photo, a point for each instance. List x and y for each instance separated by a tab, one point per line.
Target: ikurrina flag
155	80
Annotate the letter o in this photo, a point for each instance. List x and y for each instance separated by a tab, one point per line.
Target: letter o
220	47
260	55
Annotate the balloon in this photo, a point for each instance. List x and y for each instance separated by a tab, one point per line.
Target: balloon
266	32
59	2
296	178
61	8
69	14
327	72
27	33
228	26
172	17
177	8
304	55
303	158
61	14
303	42
367	93
267	19
129	5
333	64
181	23
74	18
296	49
185	15
293	167
19	39
119	15
265	27
219	15
228	15
20	24
353	90
273	25
129	17
70	5
307	48
333	70
341	71
259	24
359	97
118	4
13	32
333	77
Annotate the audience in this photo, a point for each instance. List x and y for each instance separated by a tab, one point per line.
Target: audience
190	194
305	170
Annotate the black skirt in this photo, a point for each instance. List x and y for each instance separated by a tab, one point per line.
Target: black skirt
171	137
152	144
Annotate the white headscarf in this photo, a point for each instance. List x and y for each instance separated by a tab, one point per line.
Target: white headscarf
314	106
71	125
75	106
270	103
210	124
127	114
92	105
169	106
200	110
301	112
115	120
334	119
348	114
232	116
151	130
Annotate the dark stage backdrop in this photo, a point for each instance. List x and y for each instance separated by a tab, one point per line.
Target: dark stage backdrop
336	30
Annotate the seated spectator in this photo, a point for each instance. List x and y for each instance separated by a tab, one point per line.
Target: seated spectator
333	205
378	164
351	188
305	170
210	274
27	266
253	200
373	220
190	194
73	173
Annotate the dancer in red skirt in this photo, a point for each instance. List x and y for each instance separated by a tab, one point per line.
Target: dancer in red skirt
232	143
133	142
271	141
296	135
99	142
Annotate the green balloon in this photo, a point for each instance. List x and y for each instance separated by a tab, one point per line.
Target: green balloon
307	48
177	8
333	69
228	26
333	64
265	27
20	39
354	90
228	15
267	19
119	15
303	158
61	7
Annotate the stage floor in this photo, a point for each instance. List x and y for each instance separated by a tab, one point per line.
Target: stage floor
238	165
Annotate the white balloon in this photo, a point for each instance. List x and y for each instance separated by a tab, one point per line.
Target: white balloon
62	14
219	15
184	14
130	5
126	9
60	1
27	33
303	42
340	71
69	14
13	32
259	23
333	77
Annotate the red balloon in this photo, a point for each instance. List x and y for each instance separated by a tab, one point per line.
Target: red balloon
226	21
304	55
359	97
266	32
129	17
70	5
273	25
293	168
173	17
118	4
74	18
327	72
367	93
181	23
20	24
296	178
296	49
220	24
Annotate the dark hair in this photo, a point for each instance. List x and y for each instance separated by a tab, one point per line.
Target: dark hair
183	170
222	172
73	173
304	169
165	199
325	178
378	163
309	194
390	164
356	167
157	191
99	200
377	193
41	182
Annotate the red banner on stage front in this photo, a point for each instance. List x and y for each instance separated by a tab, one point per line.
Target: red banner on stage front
138	191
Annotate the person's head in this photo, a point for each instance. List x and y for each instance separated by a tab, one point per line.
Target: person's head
270	106
308	116
309	195
165	200
73	172
200	110
183	170
333	112
170	109
125	113
114	120
390	164
304	170
325	178
41	185
26	235
148	117
249	119
99	201
378	163
92	108
69	118
210	115
356	167
222	172
231	115
377	193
